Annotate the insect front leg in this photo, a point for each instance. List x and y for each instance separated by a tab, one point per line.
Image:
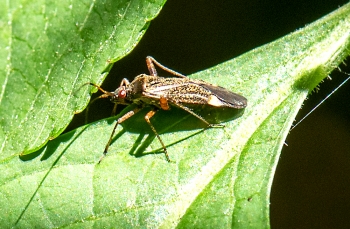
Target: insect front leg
125	82
148	116
119	121
114	109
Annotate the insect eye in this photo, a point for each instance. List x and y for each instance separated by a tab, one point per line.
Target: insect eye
122	94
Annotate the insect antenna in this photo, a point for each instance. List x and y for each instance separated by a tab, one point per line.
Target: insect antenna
105	94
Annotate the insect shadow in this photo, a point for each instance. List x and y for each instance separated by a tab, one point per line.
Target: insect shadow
175	120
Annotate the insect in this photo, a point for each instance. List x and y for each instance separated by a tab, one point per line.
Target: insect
163	92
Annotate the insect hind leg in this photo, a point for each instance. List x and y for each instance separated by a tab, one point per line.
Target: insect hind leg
209	125
150	61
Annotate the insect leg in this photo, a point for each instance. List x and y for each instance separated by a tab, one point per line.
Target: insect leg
120	120
163	102
152	70
150	61
114	109
125	82
196	115
148	116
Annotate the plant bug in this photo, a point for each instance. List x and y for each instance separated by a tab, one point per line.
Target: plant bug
163	92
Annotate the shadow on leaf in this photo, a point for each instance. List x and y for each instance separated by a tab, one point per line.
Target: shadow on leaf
174	120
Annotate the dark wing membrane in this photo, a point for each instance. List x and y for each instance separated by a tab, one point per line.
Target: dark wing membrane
231	99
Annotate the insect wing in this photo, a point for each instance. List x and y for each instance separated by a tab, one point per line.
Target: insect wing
226	97
191	92
178	91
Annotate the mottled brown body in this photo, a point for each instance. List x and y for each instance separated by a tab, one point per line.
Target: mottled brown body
164	92
149	89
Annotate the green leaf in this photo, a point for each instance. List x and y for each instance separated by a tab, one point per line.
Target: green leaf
48	50
220	177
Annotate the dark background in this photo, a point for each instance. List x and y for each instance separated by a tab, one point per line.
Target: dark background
311	188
